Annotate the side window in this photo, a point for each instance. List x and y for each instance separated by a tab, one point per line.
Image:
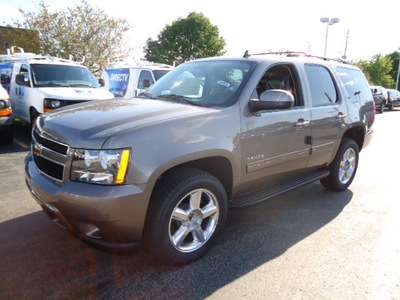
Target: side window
24	69
145	75
356	84
282	77
323	90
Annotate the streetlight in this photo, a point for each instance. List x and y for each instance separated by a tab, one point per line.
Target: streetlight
328	22
398	74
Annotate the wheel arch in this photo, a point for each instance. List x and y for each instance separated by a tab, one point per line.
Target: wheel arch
218	166
357	134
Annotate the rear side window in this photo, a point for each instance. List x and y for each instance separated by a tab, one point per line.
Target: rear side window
145	75
323	90
355	83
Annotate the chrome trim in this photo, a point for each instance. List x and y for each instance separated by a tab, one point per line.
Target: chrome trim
50	155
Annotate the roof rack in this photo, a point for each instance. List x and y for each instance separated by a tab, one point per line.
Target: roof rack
135	64
12	55
296	54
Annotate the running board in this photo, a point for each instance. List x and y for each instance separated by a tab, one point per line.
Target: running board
275	190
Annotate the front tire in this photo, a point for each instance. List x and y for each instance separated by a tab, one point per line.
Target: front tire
187	211
343	168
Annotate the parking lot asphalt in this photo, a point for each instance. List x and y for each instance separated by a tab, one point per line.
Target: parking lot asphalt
306	244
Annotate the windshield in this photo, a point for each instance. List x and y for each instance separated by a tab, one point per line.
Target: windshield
62	76
159	73
205	83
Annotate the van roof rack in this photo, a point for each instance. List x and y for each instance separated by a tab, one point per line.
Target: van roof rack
13	55
295	54
135	64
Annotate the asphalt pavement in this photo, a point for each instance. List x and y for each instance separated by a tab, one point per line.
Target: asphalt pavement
306	244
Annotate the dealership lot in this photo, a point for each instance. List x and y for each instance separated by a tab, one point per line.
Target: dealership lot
306	244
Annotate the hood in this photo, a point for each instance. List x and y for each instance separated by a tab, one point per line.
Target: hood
88	125
76	93
3	93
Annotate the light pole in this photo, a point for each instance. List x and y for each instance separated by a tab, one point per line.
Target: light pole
398	74
328	22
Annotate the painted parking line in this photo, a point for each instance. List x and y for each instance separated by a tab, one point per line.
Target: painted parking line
22	144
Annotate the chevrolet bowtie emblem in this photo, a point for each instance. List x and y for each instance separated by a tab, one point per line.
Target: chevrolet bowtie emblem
37	149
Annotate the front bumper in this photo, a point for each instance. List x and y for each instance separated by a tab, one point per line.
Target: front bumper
6	123
108	216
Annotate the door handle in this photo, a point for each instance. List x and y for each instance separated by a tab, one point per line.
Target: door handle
302	123
341	116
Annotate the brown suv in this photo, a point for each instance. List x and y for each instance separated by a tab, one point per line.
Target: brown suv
211	134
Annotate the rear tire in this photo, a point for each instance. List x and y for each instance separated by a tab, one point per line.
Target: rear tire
343	168
187	211
382	108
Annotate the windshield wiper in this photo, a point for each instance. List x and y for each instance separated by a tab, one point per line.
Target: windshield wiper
49	85
147	95
180	98
80	85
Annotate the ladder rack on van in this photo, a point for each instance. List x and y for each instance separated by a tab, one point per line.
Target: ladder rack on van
12	55
136	64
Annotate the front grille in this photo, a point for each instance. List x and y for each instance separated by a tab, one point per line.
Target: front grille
50	156
63	149
48	167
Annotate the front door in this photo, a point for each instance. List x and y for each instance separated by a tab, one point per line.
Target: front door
275	144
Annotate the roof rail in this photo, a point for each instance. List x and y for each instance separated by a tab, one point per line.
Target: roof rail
296	54
12	55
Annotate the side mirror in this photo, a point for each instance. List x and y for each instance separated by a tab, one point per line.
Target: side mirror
102	82
272	99
22	79
5	79
146	83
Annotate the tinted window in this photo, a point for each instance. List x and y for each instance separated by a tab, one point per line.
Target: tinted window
355	83
323	91
145	75
62	75
159	73
24	69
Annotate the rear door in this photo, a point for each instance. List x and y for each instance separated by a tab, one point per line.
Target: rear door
328	113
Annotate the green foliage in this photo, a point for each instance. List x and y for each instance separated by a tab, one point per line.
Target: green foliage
395	56
81	32
185	40
378	70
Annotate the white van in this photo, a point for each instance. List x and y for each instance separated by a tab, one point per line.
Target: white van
129	80
6	118
38	84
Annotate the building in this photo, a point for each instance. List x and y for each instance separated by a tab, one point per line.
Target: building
24	38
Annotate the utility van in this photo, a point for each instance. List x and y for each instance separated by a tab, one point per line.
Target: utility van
38	84
127	80
6	118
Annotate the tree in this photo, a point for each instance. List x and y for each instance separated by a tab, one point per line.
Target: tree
379	69
184	40
81	32
395	56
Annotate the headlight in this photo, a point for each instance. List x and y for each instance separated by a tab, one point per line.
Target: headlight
50	104
100	166
2	104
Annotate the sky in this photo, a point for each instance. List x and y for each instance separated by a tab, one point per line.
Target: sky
258	26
